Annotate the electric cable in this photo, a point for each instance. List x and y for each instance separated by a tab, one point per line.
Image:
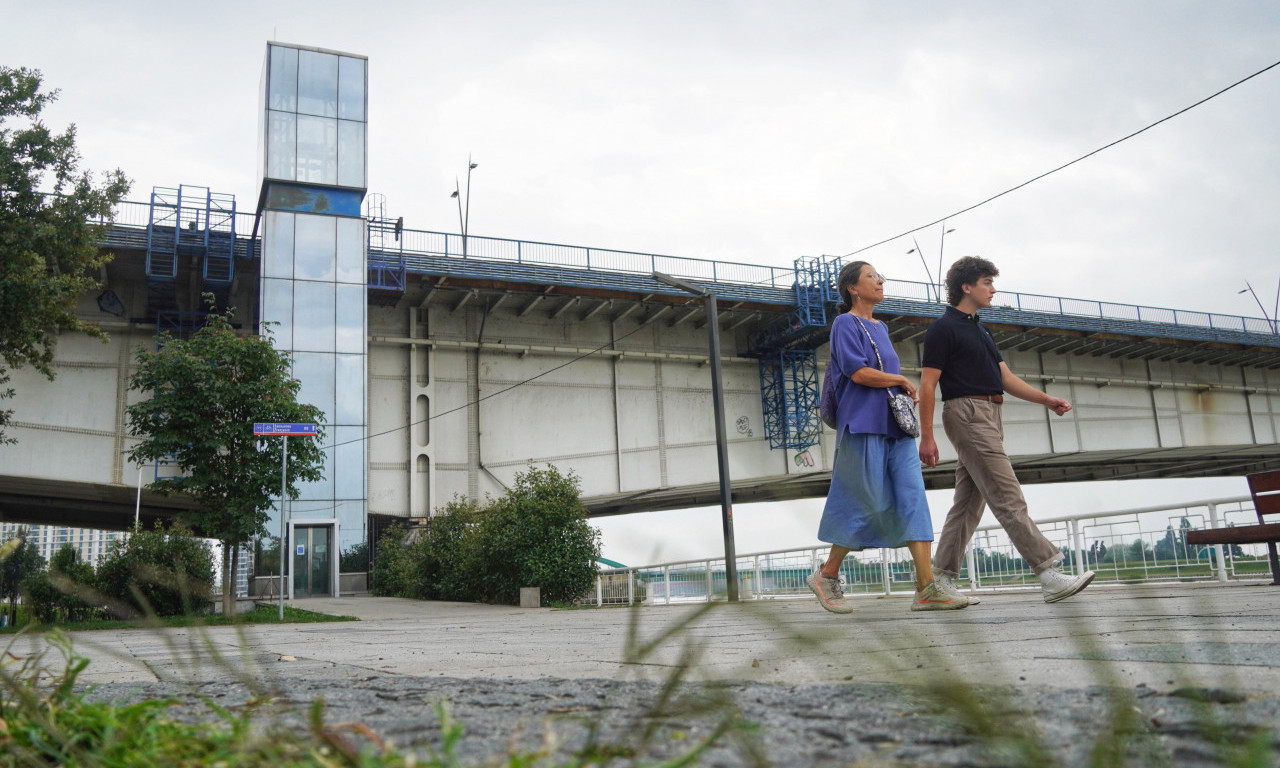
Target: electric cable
1065	165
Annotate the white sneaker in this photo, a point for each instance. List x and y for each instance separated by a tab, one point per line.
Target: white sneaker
948	587
1057	585
829	592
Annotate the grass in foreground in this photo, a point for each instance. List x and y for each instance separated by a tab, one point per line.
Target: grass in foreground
45	721
259	615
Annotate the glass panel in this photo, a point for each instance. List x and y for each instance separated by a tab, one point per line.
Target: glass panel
351	522
350	88
320	552
351	242
301	545
348	463
282	145
350	154
320	490
350	390
317	83
350	321
277	244
317	150
283	83
313	318
314	251
277	308
315	372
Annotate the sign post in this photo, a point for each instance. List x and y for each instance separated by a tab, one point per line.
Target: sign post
284	431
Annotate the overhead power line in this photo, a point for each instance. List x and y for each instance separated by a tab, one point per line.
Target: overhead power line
1064	165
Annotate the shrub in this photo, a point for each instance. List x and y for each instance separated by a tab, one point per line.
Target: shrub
63	592
449	556
537	535
166	572
395	568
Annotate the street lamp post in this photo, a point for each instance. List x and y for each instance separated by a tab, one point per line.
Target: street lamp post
1273	319
722	440
464	221
942	242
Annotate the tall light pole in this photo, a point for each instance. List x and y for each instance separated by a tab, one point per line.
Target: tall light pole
920	252
942	242
464	221
722	440
1271	318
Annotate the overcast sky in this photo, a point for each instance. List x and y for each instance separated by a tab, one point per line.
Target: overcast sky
743	131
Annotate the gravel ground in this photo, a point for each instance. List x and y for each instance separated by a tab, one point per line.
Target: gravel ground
789	725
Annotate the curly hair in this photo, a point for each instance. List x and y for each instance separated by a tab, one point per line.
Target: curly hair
849	274
967	271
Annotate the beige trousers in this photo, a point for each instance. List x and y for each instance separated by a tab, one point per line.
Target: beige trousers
984	475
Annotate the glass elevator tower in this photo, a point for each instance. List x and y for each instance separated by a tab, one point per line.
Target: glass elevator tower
312	144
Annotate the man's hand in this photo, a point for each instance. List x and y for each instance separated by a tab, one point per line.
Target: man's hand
929	451
1058	405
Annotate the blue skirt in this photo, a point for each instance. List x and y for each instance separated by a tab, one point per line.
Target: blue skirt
877	494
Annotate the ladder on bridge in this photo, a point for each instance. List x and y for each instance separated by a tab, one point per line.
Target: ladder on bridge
388	272
789	384
188	222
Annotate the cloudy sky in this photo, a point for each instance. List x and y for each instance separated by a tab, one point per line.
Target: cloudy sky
744	131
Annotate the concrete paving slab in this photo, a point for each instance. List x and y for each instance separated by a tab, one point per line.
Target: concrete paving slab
823	689
1149	633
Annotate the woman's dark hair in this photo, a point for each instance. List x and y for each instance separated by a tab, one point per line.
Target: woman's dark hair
849	274
967	271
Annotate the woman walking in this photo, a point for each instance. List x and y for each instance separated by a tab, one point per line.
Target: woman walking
876	499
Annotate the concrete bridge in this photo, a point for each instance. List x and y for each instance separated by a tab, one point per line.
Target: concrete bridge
520	352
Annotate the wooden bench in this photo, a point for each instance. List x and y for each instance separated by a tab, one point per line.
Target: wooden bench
1265	489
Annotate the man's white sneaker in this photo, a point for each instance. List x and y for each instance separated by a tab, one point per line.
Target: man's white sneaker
1057	585
948	587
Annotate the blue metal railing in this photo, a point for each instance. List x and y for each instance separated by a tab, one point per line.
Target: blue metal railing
495	249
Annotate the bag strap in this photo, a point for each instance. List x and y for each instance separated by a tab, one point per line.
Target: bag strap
874	346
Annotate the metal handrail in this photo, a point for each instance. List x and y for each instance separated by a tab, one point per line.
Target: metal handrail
885	563
427	242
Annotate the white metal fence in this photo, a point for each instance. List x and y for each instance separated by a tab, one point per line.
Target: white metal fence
1146	544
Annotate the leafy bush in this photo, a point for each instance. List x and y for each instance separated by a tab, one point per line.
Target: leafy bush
395	568
537	535
166	572
449	556
63	592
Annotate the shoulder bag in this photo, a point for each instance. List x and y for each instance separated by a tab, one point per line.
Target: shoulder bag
901	407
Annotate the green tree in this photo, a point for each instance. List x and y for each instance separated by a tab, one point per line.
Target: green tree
167	573
206	394
64	591
49	252
537	535
19	560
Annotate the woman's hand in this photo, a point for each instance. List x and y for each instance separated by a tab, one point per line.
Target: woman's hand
910	389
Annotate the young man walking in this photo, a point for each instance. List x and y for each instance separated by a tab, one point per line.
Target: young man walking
961	355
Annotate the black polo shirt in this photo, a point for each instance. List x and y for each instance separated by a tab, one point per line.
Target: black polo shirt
961	347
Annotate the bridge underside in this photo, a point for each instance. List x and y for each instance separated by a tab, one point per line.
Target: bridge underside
1053	468
34	501
37	501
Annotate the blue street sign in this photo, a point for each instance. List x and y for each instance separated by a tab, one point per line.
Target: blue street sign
285	430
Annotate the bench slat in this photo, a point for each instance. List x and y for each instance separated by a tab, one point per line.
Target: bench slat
1262	482
1240	534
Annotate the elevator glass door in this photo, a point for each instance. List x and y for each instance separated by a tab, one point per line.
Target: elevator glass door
311	560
